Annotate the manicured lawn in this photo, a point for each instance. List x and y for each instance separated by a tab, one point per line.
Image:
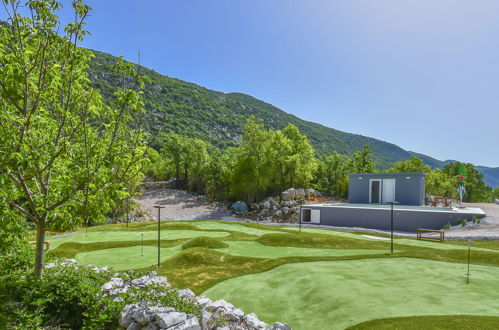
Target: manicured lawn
127	257
334	295
316	279
258	250
433	322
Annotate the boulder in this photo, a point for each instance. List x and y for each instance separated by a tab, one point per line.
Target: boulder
186	294
134	326
293	194
497	201
280	326
254	323
239	207
115	282
312	193
167	320
191	323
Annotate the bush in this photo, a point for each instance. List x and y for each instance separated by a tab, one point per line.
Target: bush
68	296
447	226
462	222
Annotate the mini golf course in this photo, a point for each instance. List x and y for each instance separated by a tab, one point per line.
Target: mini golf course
315	279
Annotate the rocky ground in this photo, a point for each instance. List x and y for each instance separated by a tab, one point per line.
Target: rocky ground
181	205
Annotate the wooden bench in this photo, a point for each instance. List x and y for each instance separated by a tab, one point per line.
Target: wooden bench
46	243
419	233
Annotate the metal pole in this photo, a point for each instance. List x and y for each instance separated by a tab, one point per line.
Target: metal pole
142	234
299	219
159	233
391	235
468	273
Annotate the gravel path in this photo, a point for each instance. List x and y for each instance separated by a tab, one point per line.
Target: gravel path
181	205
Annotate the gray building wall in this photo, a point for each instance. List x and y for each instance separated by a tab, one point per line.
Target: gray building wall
409	187
404	219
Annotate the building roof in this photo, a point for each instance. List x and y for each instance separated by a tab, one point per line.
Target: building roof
388	174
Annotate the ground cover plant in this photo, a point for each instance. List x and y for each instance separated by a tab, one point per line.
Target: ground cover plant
320	275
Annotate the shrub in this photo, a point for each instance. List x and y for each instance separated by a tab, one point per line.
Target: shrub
475	219
462	222
67	296
447	226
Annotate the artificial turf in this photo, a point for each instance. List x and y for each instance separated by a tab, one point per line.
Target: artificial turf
125	258
209	255
334	295
432	322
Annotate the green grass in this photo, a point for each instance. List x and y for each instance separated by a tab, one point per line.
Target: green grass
126	257
258	250
314	279
334	295
436	322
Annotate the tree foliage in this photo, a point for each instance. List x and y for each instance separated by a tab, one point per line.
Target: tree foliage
64	156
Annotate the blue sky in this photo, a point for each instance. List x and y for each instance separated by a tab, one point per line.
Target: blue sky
422	74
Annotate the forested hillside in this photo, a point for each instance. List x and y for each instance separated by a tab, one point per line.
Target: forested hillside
218	118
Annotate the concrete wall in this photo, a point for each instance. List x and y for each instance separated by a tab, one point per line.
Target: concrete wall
409	187
404	220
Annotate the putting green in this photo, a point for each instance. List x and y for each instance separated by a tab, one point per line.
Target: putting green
234	227
401	241
337	294
124	235
126	258
257	250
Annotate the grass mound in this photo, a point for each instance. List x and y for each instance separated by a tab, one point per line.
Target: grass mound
463	322
309	240
206	242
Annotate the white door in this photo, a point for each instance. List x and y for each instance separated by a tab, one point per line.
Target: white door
315	216
388	190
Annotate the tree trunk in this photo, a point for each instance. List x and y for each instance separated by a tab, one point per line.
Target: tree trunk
40	248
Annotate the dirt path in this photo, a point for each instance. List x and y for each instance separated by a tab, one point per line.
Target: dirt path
180	205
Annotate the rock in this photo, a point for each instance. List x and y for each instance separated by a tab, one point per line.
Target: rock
144	316
205	318
151	326
214	305
280	326
253	321
51	265
134	326
127	314
167	320
497	201
186	294
115	282
293	194
201	198
239	207
203	300
191	323
312	193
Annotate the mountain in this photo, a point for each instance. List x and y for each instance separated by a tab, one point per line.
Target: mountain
218	118
490	175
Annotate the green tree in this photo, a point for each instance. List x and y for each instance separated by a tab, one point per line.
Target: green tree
64	156
251	173
439	183
414	164
363	161
218	173
332	175
476	189
291	158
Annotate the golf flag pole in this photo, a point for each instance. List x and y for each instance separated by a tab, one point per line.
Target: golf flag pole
159	207
468	273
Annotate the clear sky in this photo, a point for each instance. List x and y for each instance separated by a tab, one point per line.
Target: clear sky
422	74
